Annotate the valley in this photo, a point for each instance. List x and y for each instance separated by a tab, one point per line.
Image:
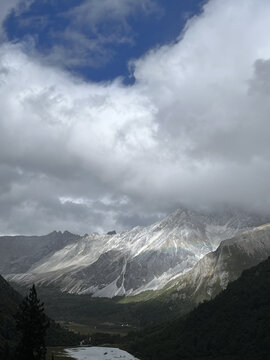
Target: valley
134	180
187	276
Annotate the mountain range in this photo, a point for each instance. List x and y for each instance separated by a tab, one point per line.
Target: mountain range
180	255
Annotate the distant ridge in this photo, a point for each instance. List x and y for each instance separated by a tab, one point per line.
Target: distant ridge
19	253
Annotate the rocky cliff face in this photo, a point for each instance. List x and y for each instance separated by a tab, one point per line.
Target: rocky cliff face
143	258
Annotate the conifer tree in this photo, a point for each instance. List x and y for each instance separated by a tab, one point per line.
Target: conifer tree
32	323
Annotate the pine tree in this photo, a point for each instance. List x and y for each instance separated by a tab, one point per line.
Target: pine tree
32	323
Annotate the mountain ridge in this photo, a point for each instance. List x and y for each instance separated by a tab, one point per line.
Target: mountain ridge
143	258
18	253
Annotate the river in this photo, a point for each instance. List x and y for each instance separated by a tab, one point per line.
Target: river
98	353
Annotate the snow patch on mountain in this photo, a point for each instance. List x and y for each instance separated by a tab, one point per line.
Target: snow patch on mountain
136	260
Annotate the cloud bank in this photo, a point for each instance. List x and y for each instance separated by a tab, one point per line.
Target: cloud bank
192	130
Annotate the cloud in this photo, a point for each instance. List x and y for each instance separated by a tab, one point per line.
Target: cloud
192	130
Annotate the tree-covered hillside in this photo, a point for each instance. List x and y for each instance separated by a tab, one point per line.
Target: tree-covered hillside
9	300
233	326
9	303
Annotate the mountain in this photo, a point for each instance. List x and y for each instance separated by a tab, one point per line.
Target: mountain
212	274
233	326
177	298
19	253
140	259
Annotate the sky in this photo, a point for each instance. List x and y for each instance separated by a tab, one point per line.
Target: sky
116	112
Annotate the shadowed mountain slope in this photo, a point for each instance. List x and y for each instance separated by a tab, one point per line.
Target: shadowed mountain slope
233	326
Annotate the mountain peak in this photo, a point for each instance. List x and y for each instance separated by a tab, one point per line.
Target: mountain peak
139	259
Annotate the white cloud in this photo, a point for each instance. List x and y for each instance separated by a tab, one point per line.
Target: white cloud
193	129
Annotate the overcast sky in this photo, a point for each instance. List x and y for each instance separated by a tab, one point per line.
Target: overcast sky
114	113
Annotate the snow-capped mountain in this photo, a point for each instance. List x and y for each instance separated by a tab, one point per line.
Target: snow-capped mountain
136	260
215	270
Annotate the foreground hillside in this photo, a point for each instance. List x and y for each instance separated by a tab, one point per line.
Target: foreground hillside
9	302
233	326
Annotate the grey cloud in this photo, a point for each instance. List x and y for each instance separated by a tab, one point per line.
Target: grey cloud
128	221
260	83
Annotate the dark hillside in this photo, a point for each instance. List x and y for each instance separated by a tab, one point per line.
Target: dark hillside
9	302
233	326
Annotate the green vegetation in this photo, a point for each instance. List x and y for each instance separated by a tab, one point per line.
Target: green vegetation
233	326
90	330
9	335
9	300
109	315
32	323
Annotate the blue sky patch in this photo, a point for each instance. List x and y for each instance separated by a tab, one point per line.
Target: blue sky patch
95	45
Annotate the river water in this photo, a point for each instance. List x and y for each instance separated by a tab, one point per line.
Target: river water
98	353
